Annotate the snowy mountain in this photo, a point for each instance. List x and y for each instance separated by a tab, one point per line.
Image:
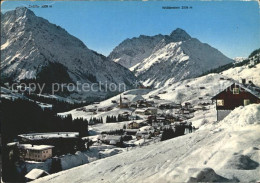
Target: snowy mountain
163	59
28	43
226	151
132	51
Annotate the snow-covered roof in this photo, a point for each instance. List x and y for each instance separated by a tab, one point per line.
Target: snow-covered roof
248	88
36	147
131	130
113	137
152	108
140	110
169	103
12	143
35	173
38	136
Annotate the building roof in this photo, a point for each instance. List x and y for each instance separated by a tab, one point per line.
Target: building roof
35	174
35	147
12	143
112	137
151	108
131	130
140	110
249	88
39	136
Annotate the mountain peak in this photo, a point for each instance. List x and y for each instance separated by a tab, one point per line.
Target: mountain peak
20	12
24	11
180	35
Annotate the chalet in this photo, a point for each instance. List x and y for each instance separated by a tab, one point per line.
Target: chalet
143	103
151	111
140	111
35	152
235	95
145	132
170	106
171	118
112	140
198	107
142	134
133	125
63	142
157	125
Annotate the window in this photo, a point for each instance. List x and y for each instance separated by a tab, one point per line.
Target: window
246	102
220	102
235	90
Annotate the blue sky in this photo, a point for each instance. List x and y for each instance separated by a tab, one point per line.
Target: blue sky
232	27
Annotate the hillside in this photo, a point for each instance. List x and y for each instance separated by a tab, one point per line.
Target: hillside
251	74
220	153
180	92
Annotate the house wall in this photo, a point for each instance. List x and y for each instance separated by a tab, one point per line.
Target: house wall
38	155
133	125
221	114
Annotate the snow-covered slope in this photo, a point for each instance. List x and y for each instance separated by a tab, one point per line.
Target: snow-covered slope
222	152
245	72
167	59
180	92
29	42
